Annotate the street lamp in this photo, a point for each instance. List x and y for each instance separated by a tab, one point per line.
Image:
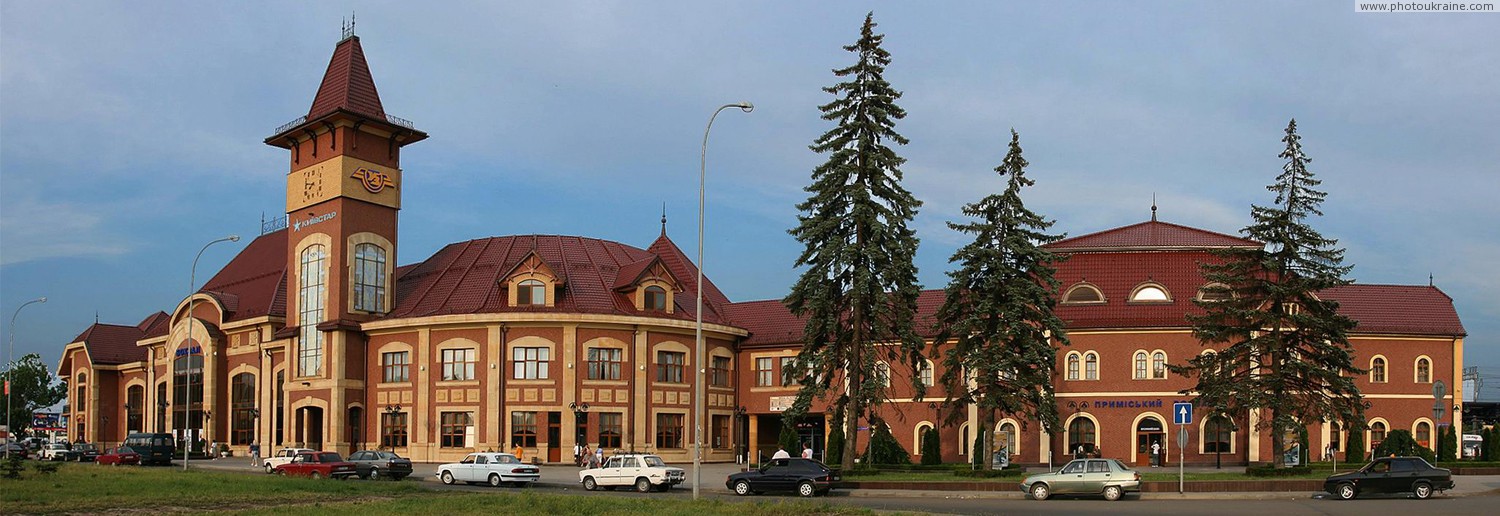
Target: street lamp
739	413
188	390
698	389
10	373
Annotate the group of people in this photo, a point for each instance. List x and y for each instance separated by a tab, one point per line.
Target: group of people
781	453
584	458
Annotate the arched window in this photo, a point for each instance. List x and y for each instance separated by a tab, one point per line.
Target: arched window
242	401
1091	366
1140	365
1217	434
1083	293
1377	433
1424	434
1214	292
1012	438
883	373
311	285
1377	370
656	298
135	404
1150	293
1159	365
1424	370
369	278
921	439
533	293
963	439
187	395
924	372
1081	433
1073	366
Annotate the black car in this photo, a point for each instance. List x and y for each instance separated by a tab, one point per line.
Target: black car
375	464
83	452
1391	475
15	449
805	477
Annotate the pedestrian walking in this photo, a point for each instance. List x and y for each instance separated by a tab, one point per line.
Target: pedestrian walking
599	456
255	454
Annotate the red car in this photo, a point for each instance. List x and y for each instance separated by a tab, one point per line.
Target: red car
118	456
318	465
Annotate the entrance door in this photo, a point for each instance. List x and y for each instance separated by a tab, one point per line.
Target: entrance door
1149	436
554	437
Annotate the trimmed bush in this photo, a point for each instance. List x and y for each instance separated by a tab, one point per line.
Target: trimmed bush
932	448
834	454
1401	444
976	452
884	448
1356	448
788	439
1450	450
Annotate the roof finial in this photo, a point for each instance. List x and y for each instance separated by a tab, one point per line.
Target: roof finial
664	218
1429	280
1153	206
347	27
96	317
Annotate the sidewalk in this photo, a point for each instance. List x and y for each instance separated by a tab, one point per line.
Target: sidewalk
563	476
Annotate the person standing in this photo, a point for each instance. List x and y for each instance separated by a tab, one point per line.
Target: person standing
1156	454
807	452
781	453
519	452
599	455
255	454
578	454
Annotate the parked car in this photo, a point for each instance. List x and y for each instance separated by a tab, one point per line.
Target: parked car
54	451
118	456
16	449
283	456
154	448
83	452
806	477
376	464
495	468
317	465
1108	477
1391	475
642	471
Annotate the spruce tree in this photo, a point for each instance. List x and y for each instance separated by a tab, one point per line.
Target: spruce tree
859	284
996	327
1280	347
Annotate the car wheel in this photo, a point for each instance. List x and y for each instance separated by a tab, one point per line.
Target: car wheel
447	478
374	474
806	489
742	488
642	485
316	475
1039	491
1345	491
494	479
589	484
270	469
1112	493
1422	490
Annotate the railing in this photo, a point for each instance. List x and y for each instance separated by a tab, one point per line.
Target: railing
273	225
400	121
393	119
294	123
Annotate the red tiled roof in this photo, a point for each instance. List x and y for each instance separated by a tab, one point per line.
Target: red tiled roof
1151	234
115	343
347	84
771	323
253	283
1117	274
465	277
1407	309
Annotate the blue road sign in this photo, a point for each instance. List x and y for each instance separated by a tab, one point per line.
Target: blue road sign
1182	413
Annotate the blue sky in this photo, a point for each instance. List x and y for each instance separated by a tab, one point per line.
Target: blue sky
130	133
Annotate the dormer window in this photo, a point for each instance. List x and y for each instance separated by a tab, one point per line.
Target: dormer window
1150	293
1215	292
531	293
1083	294
656	298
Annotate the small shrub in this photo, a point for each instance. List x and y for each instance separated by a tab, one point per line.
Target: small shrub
1356	448
46	467
12	467
932	451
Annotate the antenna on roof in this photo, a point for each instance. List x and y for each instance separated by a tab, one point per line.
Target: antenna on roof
1153	206
347	27
664	218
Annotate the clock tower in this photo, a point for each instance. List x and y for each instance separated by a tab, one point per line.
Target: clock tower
343	193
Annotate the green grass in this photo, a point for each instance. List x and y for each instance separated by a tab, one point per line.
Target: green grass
86	488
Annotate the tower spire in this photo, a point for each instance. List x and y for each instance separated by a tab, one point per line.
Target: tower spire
664	218
1153	206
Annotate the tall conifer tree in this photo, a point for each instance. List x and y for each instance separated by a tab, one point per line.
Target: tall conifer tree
859	286
996	324
1285	350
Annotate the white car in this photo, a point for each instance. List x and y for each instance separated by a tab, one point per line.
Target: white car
54	451
497	469
284	456
642	471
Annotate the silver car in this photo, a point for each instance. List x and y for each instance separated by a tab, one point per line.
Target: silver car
1108	477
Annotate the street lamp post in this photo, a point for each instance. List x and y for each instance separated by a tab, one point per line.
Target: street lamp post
188	389
10	374
698	388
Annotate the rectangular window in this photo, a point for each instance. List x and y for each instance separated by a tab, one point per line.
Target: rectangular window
531	363
523	428
369	278
605	363
669	366
719	373
788	371
392	429
721	432
395	365
458	364
764	375
669	430
609	430
312	281
455	429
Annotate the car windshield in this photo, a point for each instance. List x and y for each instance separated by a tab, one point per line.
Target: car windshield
655	462
331	457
